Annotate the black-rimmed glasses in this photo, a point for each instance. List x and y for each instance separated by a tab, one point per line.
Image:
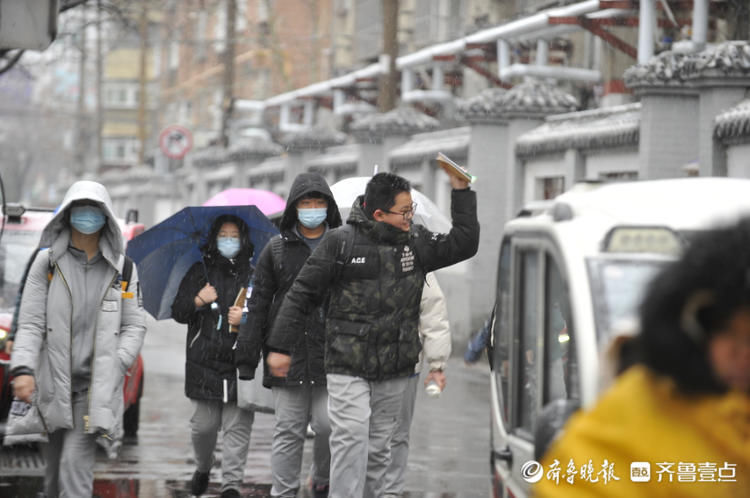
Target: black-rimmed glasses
408	214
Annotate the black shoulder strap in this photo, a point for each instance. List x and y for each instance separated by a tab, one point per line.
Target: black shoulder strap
346	246
277	253
127	272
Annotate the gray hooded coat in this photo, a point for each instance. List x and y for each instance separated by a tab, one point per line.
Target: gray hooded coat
44	341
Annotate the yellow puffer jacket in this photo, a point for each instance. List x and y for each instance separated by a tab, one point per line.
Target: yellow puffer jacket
643	418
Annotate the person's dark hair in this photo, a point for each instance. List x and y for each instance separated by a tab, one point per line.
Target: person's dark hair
690	301
210	249
382	190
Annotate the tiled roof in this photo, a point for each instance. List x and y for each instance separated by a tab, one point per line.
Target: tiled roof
534	98
208	156
733	123
453	143
726	60
254	148
484	107
400	121
609	127
317	137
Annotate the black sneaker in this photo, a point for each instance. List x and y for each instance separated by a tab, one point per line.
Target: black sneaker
230	493
199	483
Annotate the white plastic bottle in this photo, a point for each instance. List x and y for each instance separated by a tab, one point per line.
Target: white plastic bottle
433	389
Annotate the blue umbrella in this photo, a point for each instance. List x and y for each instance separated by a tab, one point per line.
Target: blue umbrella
165	252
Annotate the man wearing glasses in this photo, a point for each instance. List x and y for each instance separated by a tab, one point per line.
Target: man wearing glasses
374	269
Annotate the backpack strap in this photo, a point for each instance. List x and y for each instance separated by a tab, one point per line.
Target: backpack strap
125	276
277	253
127	273
346	246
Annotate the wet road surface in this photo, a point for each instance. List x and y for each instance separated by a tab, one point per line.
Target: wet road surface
449	456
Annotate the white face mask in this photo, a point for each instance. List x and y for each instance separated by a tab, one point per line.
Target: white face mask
229	247
312	217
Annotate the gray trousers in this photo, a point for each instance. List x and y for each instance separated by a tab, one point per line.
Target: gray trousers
395	476
294	407
363	417
236	425
70	456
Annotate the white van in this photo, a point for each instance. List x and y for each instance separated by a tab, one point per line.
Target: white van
571	276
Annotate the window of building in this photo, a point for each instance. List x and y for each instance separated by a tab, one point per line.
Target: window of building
552	187
220	29
174	54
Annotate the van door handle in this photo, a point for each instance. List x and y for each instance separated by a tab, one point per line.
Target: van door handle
505	454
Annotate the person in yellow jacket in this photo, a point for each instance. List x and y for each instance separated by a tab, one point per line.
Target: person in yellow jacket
677	422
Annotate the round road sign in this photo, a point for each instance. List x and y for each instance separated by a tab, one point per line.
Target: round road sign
175	141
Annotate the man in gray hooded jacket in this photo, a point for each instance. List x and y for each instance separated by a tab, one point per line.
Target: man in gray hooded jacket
78	333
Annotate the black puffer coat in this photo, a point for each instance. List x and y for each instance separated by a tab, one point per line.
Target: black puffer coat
210	353
271	282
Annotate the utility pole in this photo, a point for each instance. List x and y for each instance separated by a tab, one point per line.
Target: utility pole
80	165
227	103
99	119
388	81
142	76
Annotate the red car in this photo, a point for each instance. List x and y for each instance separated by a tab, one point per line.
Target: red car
20	238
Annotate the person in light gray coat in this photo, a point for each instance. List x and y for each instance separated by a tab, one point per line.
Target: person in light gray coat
78	332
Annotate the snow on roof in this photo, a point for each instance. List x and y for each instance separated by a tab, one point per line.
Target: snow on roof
316	137
532	98
453	142
403	120
254	147
729	59
486	107
733	123
595	129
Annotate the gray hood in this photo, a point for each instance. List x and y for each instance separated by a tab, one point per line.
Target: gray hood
56	235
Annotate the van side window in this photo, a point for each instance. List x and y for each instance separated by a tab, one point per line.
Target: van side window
501	329
560	365
526	353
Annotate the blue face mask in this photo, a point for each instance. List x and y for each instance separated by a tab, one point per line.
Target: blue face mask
87	219
228	246
312	217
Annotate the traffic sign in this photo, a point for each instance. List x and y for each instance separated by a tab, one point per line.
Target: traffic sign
175	141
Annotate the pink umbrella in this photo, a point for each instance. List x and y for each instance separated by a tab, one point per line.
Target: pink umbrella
268	202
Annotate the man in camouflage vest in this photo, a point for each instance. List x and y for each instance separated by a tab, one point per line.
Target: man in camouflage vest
373	269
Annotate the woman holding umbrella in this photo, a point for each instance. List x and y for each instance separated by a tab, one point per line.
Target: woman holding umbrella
206	302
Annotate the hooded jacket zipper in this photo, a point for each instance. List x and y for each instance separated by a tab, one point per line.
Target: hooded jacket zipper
70	333
93	353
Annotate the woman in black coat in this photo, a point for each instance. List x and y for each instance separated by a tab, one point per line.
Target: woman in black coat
206	302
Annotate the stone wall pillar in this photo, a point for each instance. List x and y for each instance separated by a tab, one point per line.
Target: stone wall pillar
681	94
669	132
378	134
